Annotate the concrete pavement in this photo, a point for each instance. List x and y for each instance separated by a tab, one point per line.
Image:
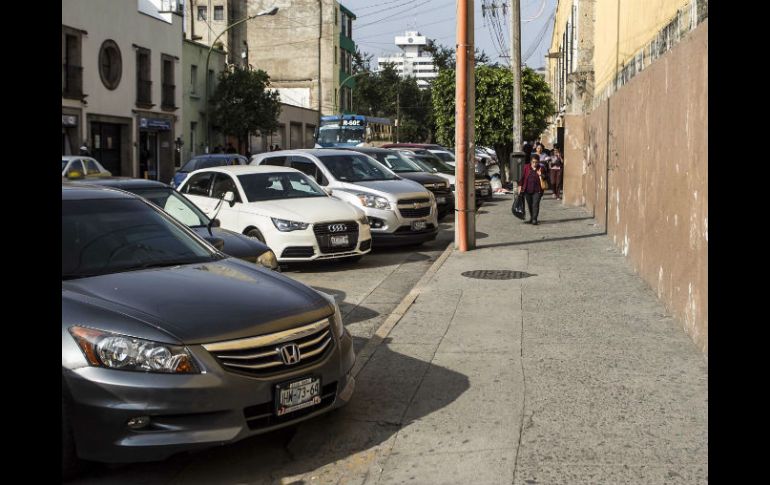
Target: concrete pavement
572	375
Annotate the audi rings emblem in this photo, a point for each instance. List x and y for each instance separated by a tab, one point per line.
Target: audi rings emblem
337	227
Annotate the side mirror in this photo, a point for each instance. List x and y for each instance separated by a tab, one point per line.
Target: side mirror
328	190
215	223
217	242
229	197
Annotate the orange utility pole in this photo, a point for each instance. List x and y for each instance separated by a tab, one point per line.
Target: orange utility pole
465	81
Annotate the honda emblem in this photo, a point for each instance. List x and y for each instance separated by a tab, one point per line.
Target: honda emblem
290	354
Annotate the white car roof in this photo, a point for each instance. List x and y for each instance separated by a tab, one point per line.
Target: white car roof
247	169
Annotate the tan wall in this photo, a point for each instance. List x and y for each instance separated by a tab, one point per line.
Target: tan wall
575	160
658	190
639	22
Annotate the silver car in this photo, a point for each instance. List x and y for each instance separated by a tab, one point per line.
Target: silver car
169	345
400	211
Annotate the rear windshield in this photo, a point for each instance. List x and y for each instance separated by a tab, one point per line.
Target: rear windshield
204	162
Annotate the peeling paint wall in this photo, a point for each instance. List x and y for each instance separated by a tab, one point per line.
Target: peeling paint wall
658	177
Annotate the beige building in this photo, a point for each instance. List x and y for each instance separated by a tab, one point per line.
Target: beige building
630	80
119	84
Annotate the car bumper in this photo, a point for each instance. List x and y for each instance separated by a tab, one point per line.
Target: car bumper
192	411
396	229
303	245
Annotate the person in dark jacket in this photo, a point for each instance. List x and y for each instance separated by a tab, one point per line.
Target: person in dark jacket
529	184
556	166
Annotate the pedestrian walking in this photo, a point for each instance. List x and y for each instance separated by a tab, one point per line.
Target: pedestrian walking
529	184
556	170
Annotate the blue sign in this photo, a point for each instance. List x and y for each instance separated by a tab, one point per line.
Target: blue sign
155	124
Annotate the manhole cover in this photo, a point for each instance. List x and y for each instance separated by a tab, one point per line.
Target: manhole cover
496	274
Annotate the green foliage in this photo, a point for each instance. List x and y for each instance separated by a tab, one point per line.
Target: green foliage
242	105
494	106
444	57
384	94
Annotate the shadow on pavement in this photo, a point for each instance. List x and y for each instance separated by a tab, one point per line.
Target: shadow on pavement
556	221
519	243
376	412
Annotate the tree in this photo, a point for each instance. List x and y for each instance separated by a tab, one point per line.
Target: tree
494	108
242	104
444	57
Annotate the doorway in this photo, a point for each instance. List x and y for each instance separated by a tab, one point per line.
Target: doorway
148	155
105	139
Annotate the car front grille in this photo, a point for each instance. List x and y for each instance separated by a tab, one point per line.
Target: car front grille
263	415
365	245
325	231
261	355
412	208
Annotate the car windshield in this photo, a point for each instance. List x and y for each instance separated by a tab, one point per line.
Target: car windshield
177	206
103	236
397	162
279	185
63	164
432	164
356	168
338	134
445	156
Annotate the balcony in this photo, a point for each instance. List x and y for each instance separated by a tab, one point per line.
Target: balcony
72	81
144	93
167	97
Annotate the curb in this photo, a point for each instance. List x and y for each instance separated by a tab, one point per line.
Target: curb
387	326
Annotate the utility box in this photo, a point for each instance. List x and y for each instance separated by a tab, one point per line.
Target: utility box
518	159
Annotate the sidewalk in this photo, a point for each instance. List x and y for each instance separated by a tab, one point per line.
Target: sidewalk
572	375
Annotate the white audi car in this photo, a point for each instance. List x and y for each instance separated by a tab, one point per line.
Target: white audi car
283	208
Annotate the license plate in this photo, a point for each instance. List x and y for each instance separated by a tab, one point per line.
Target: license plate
339	240
441	200
419	225
297	395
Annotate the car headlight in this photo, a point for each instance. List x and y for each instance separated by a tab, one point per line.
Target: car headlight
374	201
268	260
287	226
120	352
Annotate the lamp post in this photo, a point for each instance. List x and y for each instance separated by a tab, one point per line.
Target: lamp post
271	11
342	84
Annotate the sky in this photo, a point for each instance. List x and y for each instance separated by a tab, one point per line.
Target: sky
378	22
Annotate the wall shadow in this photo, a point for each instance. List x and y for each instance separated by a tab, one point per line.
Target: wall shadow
520	243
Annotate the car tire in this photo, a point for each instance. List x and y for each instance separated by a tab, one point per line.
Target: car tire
256	234
70	463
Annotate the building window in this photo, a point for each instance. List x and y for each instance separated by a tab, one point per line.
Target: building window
219	12
143	77
110	64
350	27
193	129
72	70
193	79
201	13
168	87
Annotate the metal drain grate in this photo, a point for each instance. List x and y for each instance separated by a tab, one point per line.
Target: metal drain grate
496	274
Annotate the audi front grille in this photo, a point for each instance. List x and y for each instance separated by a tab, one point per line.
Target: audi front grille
261	355
326	230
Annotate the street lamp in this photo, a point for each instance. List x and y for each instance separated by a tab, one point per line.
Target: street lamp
339	90
271	11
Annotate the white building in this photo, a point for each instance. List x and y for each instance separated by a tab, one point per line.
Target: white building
121	84
413	61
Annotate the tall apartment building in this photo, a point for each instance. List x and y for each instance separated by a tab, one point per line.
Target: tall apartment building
630	80
120	84
413	61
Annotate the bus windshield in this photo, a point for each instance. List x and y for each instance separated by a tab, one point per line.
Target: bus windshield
334	134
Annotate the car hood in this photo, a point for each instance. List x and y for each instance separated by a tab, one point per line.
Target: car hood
236	245
309	209
397	188
422	177
203	303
